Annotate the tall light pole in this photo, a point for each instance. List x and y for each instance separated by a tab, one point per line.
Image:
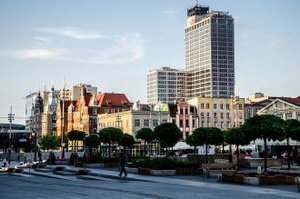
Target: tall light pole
38	110
10	119
63	124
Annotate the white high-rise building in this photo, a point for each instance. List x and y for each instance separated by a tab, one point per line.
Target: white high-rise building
209	61
165	85
209	53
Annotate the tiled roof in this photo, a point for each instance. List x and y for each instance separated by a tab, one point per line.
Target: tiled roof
295	101
113	99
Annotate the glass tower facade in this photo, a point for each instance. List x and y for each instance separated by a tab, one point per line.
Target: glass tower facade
209	53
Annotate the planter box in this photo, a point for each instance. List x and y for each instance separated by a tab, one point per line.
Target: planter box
188	171
110	164
144	171
132	170
236	178
147	171
258	179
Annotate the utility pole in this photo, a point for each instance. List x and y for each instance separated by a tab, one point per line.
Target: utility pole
63	124
38	110
10	119
118	120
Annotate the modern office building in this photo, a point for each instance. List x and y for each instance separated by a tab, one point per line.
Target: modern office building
209	53
165	85
209	61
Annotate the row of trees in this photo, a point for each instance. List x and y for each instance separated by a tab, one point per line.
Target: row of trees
265	127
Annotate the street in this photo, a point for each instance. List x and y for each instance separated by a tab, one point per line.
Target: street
18	186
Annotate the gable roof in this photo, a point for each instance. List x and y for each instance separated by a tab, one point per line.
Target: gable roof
286	100
113	99
295	101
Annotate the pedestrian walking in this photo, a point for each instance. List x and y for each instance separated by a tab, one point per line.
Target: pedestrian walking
40	156
4	162
123	160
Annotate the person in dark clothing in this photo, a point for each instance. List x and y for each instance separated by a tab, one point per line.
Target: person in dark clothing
123	159
40	156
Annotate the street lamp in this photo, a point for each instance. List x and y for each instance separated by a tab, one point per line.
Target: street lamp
10	119
38	109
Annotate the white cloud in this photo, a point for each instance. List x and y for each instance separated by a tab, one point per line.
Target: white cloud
124	49
277	43
169	12
43	40
109	50
71	32
36	53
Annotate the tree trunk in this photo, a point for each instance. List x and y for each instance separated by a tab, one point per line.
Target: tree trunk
289	153
237	156
266	155
206	158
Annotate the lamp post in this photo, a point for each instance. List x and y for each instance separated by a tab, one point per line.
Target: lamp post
10	119
38	109
63	124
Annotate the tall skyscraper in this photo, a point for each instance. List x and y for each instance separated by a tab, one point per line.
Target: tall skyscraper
209	53
209	61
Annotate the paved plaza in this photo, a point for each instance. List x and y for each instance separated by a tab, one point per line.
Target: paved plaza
105	183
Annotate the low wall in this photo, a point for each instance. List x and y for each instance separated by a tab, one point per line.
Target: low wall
254	162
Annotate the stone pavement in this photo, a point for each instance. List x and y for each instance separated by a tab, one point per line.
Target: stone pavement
107	174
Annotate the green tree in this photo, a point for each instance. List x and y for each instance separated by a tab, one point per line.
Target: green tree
190	140
92	141
236	137
266	127
208	136
291	124
75	136
126	141
295	134
168	134
145	134
109	135
49	142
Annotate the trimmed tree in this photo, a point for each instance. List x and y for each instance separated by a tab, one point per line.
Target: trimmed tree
237	137
109	135
266	127
291	124
126	141
145	134
49	142
168	134
190	140
92	141
208	136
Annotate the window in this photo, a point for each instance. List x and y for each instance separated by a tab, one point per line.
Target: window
164	121
155	122
207	105
146	122
221	106
186	123
137	122
180	123
202	105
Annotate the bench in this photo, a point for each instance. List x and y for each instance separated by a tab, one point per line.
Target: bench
216	168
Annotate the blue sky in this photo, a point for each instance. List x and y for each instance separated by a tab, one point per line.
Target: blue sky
113	44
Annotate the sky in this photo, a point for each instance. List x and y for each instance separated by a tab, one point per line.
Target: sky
113	44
